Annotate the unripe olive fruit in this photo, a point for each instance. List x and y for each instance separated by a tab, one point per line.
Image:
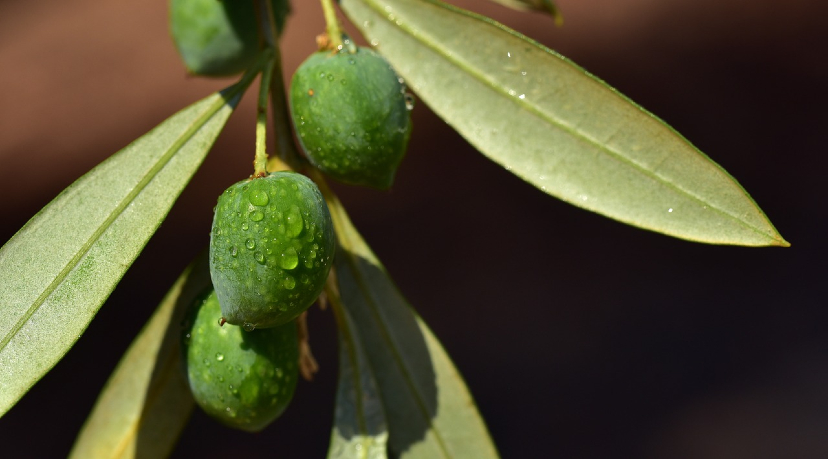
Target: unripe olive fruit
271	248
219	37
242	379
352	116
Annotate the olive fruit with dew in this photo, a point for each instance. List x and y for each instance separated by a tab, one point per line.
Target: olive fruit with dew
352	115
219	37
271	248
242	379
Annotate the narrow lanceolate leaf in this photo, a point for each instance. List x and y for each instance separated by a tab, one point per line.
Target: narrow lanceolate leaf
360	429
146	402
429	410
60	267
558	127
547	6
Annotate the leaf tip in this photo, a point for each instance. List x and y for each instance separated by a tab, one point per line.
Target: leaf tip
780	242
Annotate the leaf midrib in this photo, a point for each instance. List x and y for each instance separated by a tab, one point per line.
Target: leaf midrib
119	209
532	108
391	344
356	376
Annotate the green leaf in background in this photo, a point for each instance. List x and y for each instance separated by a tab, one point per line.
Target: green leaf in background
146	403
559	128
360	429
429	410
62	265
547	6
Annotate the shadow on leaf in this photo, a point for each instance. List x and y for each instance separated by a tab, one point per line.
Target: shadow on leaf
396	350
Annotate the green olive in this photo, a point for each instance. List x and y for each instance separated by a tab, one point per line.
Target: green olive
242	379
271	248
219	37
351	115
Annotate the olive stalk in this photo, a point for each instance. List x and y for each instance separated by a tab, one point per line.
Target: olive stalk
286	157
260	161
334	31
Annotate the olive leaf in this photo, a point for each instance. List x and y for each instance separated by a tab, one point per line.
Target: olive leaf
360	429
429	410
62	265
547	6
556	126
146	403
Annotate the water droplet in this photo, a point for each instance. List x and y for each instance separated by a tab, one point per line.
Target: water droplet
219	356
290	283
260	259
322	75
206	362
234	251
330	77
217	231
248	327
670	210
256	216
259	198
294	222
289	259
245	226
409	102
250	244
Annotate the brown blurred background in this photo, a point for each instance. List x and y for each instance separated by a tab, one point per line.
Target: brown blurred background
579	337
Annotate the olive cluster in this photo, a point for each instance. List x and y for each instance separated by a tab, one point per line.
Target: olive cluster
272	241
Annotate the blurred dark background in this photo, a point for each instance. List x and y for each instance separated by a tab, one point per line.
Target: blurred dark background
578	336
